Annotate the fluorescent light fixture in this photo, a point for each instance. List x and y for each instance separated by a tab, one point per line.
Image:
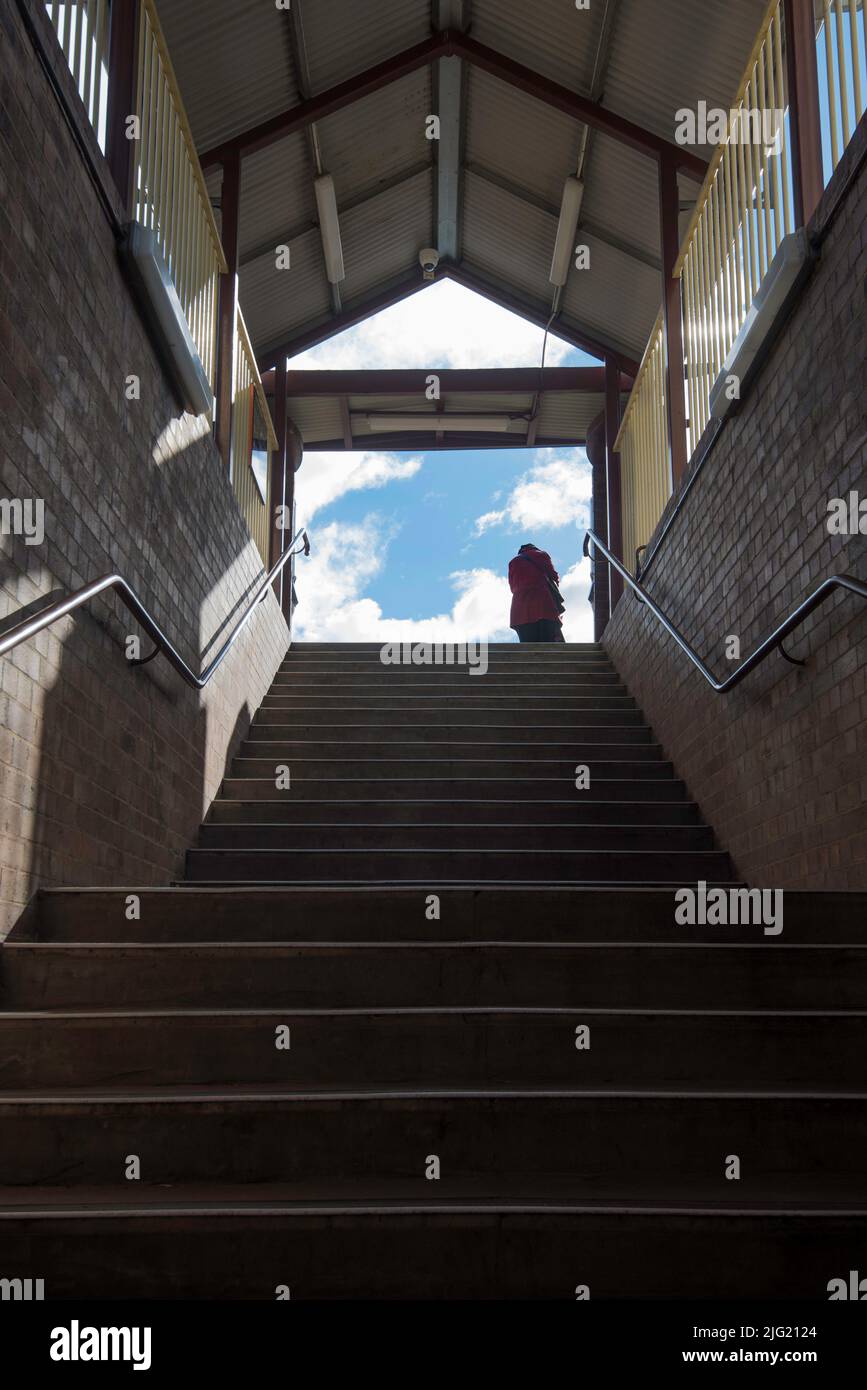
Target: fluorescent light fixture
329	228
787	272
387	424
564	246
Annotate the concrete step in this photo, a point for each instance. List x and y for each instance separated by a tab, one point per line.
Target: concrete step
571	913
376	738
600	744
534	835
180	1245
423	768
523	651
799	1146
445	722
473	863
434	1047
461	814
617	787
530	974
508	670
455	695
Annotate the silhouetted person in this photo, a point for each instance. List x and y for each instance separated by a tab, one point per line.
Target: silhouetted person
536	600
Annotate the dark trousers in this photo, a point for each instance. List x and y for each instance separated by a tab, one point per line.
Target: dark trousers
544	630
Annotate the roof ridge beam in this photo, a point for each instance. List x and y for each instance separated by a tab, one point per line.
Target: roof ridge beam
581	108
450	44
412	381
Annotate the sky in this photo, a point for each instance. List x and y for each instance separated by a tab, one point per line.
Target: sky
416	546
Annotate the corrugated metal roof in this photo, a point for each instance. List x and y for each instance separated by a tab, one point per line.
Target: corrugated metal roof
621	193
233	59
616	296
345	38
383	236
276	301
317	417
276	194
551	36
697	52
232	62
508	238
568	414
542	145
375	140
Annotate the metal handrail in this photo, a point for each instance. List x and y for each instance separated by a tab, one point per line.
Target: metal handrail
776	639
23	631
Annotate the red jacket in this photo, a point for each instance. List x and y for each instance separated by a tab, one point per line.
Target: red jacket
531	597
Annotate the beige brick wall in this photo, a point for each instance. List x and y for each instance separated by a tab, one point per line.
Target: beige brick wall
779	766
105	771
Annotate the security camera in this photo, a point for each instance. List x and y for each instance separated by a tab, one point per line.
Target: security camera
429	259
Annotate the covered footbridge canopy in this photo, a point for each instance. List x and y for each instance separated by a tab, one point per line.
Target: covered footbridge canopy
527	96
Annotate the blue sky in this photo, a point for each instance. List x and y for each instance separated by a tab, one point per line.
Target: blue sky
416	546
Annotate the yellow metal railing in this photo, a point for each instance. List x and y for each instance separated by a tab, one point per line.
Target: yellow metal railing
169	192
743	213
643	445
253	439
842	66
82	29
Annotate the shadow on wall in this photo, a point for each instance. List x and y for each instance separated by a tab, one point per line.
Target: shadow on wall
105	775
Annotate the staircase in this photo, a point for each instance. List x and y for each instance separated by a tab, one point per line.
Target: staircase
351	1052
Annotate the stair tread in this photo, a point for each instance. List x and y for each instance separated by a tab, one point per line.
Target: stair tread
396	1198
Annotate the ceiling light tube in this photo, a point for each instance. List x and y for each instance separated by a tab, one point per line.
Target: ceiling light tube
564	246
329	228
382	424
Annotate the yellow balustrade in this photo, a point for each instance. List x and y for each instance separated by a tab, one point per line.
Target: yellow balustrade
643	445
169	191
744	211
252	434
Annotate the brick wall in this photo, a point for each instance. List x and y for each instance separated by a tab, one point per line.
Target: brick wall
105	771
779	766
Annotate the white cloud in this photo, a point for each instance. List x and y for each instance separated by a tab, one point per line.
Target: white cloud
444	325
555	492
324	477
334	608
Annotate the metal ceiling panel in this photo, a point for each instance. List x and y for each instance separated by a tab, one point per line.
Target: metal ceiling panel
383	236
621	193
276	194
317	417
508	238
568	414
233	63
699	52
276	301
551	36
519	139
375	140
345	38
617	296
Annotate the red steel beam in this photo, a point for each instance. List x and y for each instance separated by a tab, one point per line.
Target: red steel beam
578	338
277	488
669	209
808	182
122	74
315	108
612	466
228	309
347	318
412	381
581	108
452	44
